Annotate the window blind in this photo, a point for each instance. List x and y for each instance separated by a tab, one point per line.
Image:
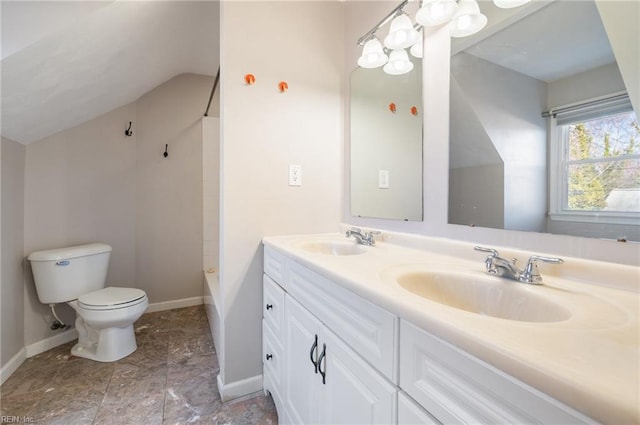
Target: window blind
593	109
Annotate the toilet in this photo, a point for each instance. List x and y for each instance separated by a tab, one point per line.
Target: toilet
105	316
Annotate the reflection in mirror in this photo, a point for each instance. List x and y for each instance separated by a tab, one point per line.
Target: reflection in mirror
575	171
386	144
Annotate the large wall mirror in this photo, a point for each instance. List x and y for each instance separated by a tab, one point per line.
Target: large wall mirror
386	144
575	171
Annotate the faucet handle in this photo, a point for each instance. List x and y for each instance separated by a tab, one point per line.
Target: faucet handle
491	251
369	236
531	274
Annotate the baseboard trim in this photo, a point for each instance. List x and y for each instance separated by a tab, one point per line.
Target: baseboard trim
51	342
170	305
239	388
12	365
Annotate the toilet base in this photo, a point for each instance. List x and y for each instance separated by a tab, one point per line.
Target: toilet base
104	345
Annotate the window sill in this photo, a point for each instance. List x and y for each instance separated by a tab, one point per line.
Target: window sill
604	217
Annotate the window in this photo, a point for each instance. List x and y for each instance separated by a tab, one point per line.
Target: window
596	162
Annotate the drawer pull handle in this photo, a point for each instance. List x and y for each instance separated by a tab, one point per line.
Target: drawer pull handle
269	306
269	356
323	356
314	347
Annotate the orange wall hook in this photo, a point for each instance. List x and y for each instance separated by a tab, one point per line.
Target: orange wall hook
392	107
414	111
283	86
249	79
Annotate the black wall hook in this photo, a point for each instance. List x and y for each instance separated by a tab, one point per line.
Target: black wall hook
166	148
128	131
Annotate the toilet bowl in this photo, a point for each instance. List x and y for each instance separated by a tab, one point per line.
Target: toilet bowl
105	322
105	315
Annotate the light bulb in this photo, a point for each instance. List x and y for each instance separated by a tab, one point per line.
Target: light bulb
373	55
436	12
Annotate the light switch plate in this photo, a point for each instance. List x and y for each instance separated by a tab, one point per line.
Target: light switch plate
383	179
295	175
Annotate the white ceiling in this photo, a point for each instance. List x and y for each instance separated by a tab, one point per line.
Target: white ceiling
559	40
64	63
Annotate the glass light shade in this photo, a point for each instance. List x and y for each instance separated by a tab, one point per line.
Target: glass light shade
401	33
508	4
399	63
436	12
468	20
373	55
416	49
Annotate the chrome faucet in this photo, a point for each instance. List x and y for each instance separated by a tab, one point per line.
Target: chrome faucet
362	239
498	266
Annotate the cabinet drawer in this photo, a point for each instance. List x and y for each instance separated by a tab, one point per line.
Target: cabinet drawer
458	388
368	329
275	265
273	306
273	364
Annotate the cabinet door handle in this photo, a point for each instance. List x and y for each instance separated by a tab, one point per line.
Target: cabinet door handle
269	356
323	356
314	347
269	306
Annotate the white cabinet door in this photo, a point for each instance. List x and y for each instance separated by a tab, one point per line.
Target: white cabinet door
352	392
272	365
302	382
342	389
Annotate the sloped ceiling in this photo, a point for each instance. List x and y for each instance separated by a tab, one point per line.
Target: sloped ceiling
64	63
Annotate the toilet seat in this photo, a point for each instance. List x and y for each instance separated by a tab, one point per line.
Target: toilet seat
111	298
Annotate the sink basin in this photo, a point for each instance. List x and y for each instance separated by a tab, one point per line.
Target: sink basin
484	295
332	247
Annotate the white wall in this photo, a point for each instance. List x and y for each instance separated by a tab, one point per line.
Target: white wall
621	20
263	131
600	81
168	193
12	276
436	122
92	183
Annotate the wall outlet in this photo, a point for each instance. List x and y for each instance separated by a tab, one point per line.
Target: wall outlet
383	179
295	175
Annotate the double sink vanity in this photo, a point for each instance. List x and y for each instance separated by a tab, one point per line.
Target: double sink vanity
404	329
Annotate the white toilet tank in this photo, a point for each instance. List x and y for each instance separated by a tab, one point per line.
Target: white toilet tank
64	274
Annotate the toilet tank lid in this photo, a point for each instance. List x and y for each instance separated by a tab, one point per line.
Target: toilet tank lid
69	252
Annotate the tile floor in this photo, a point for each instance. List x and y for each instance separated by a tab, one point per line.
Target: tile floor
170	379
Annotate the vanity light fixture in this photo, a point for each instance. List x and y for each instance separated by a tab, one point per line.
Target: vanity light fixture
463	17
373	55
401	34
468	20
399	63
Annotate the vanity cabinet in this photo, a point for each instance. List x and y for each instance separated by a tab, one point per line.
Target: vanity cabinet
337	352
333	357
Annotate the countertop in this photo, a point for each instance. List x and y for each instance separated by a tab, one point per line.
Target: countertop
590	362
